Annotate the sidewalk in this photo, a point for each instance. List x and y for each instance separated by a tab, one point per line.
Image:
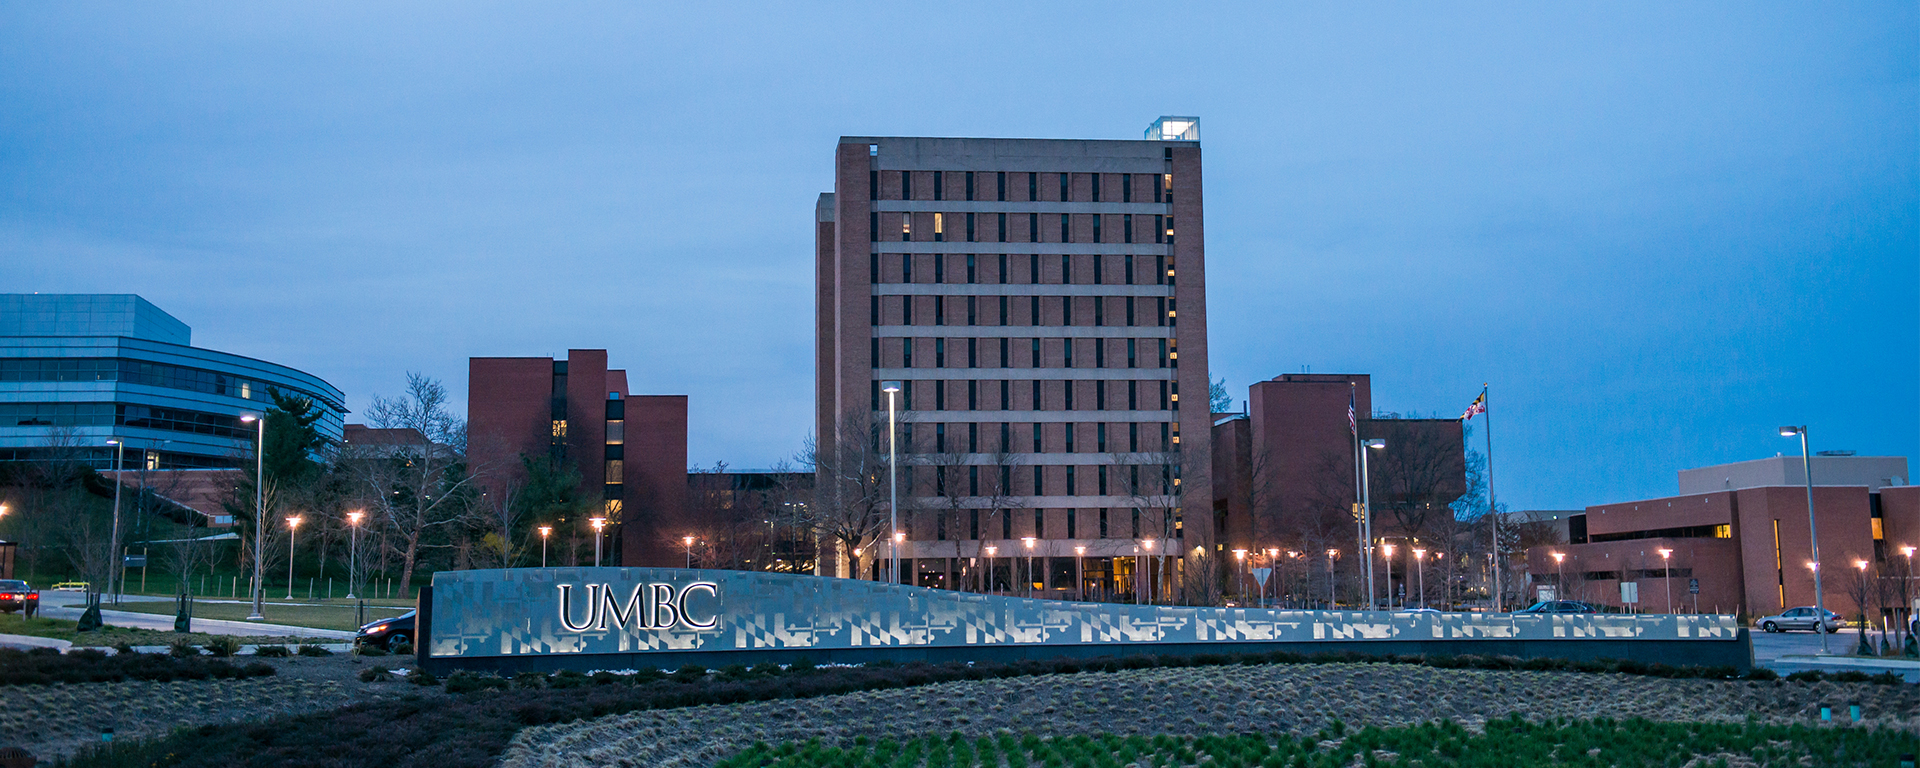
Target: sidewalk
1907	669
24	642
164	623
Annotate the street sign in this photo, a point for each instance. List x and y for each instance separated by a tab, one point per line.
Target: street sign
1693	586
1261	574
136	561
1629	592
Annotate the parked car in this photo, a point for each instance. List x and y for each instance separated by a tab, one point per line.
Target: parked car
1799	618
387	633
18	595
1559	606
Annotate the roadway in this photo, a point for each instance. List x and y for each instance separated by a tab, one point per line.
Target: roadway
69	605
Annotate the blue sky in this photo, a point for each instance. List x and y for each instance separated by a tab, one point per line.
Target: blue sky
1659	230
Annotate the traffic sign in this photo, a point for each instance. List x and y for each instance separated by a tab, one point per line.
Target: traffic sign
1693	586
1260	575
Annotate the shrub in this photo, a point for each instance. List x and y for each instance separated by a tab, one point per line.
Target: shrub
182	649
1849	676
568	678
1807	676
733	673
690	673
376	674
1761	673
604	677
223	646
802	664
402	648
369	649
464	681
272	651
91	665
649	675
525	680
123	647
422	677
310	649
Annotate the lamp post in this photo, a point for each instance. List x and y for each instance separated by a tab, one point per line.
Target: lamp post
1028	540
1331	596
892	388
899	540
1273	563
1386	554
1420	564
545	531
259	513
599	524
688	540
1080	570
986	576
1865	649
353	549
1148	570
1240	572
293	526
1366	513
1813	535
1666	563
1905	581
1560	579
113	544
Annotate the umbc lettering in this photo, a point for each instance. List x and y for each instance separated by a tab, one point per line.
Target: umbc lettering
649	606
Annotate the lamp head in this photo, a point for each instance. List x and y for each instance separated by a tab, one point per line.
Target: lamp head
113	441
293	521
1665	553
1792	431
889	386
598	522
1028	540
1332	553
1559	556
1239	554
1906	550
1387	548
1860	564
545	531
249	418
992	550
1079	550
1376	443
353	518
1419	554
899	536
687	540
1148	543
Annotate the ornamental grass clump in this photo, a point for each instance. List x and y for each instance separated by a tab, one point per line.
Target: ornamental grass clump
44	666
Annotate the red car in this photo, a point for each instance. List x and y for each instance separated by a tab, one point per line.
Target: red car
16	595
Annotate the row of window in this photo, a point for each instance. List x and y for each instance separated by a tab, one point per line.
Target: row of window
1028	353
1073	187
944	438
1036	311
1027	228
1030	395
1016	269
981	524
111	414
1006	482
130	371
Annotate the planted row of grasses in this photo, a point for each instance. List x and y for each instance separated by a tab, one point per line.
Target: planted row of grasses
475	727
46	666
1504	743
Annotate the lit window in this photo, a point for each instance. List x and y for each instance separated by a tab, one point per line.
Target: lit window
613	510
1725	532
559	428
615	467
616	432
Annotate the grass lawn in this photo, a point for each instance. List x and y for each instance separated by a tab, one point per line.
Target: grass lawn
61	629
315	616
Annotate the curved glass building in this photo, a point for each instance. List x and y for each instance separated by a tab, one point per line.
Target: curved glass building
77	370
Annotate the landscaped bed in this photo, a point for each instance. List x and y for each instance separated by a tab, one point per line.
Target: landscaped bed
1296	700
1501	744
692	717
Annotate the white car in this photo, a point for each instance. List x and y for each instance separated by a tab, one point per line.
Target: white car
1799	618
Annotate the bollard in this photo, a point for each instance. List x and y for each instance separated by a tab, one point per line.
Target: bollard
106	734
1826	714
1906	760
1853	711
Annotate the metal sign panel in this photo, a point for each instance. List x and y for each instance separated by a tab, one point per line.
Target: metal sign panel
535	611
1261	574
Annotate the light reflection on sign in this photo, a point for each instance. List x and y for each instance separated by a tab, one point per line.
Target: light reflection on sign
648	606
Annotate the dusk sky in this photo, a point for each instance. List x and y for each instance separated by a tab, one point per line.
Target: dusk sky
1659	230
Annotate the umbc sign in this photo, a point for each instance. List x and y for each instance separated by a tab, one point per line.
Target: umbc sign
616	618
648	606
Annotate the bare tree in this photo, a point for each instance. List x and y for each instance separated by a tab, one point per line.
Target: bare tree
851	494
417	487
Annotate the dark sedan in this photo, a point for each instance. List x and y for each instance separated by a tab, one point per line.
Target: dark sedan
1559	606
17	595
387	633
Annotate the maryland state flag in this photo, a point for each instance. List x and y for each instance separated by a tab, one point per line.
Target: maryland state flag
1478	407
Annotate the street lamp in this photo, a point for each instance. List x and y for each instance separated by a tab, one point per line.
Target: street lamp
1560	579
353	549
259	513
1420	564
1666	561
1386	552
892	388
545	531
1028	540
1080	570
1864	648
293	526
688	540
1331	597
1366	514
1148	583
599	524
1813	535
893	547
1273	563
113	544
986	576
1240	572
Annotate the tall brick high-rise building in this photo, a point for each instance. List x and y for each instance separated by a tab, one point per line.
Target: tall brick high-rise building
1043	304
630	450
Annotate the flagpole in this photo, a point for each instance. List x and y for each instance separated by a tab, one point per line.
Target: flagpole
1493	513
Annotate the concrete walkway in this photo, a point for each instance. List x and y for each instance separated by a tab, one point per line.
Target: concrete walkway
24	642
1907	669
164	623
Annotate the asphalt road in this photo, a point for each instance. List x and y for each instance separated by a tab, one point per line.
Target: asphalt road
69	605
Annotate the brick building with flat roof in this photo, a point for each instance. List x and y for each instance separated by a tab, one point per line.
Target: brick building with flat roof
1045	321
1747	547
630	451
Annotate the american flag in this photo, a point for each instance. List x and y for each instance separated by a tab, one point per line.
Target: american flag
1478	407
1353	420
